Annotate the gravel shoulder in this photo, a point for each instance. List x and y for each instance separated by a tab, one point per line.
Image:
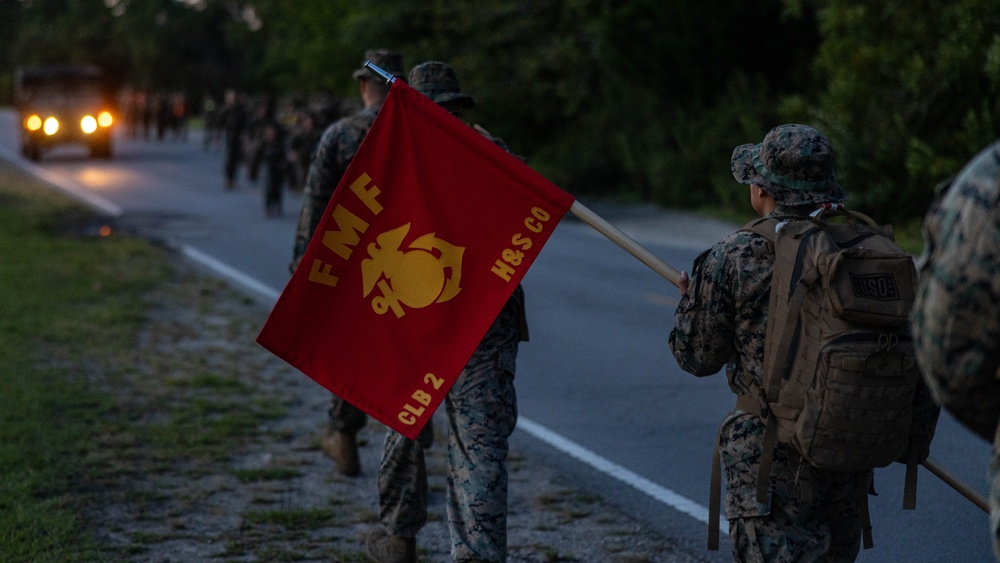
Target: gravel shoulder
267	493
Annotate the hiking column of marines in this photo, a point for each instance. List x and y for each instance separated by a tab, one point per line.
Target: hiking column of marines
797	511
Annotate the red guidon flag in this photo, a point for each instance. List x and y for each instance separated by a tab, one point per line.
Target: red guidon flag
428	233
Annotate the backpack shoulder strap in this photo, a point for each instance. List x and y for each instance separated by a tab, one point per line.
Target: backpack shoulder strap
780	340
774	373
763	226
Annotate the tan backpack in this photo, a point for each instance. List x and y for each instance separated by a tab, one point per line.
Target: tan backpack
840	371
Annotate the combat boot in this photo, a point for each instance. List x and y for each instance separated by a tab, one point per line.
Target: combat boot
342	448
382	547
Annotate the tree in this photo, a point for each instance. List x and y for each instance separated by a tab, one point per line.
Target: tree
153	44
909	92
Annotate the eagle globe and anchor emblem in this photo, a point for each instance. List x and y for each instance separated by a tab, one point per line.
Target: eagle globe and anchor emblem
428	272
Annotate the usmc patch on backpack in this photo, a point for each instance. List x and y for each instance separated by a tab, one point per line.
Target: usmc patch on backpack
881	287
871	285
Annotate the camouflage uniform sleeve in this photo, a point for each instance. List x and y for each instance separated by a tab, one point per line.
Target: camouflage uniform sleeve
723	317
956	318
702	338
334	152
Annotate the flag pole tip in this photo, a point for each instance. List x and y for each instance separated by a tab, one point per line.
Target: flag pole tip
388	77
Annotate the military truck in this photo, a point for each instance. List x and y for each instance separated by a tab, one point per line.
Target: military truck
67	104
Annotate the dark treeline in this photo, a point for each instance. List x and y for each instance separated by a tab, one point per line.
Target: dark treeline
639	99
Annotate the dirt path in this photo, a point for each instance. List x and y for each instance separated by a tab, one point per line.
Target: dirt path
216	457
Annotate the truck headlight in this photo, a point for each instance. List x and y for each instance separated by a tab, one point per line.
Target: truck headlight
51	126
88	124
104	119
33	123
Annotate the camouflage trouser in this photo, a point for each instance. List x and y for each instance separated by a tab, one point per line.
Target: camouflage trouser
345	417
482	411
811	514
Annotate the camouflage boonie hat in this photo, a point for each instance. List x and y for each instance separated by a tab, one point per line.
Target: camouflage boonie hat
438	81
794	165
388	61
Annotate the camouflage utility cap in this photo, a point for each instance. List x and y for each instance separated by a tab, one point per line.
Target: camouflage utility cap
388	61
438	81
794	165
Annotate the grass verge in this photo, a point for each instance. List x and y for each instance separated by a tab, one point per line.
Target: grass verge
70	298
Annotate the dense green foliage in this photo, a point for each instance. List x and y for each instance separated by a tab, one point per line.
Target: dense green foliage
910	91
642	99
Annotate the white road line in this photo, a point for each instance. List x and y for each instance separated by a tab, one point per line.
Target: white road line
230	273
70	187
662	494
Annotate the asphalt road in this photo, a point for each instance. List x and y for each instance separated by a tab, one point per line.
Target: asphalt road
600	396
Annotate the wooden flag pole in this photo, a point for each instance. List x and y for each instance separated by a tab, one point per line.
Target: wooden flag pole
626	242
957	484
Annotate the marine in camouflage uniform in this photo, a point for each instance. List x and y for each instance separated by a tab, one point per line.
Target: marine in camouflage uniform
232	120
956	318
721	320
334	151
304	136
481	409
